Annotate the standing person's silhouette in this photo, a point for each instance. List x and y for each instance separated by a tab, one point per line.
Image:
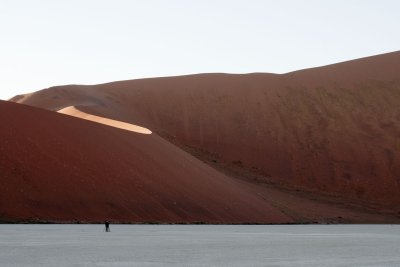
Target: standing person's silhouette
107	224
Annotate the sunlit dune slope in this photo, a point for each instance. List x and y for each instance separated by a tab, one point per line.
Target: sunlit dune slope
333	129
57	167
72	111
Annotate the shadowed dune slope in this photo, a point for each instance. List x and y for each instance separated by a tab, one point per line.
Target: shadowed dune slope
57	167
333	129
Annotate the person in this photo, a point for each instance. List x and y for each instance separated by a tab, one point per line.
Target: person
107	224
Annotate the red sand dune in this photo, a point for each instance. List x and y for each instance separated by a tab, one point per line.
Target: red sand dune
333	129
61	168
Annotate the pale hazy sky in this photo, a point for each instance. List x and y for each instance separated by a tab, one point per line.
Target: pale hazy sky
53	42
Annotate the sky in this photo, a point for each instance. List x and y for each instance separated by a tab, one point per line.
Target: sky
54	42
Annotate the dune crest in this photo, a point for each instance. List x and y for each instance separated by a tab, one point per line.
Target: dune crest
73	111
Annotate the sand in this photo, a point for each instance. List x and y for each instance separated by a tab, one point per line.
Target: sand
332	130
59	168
72	111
